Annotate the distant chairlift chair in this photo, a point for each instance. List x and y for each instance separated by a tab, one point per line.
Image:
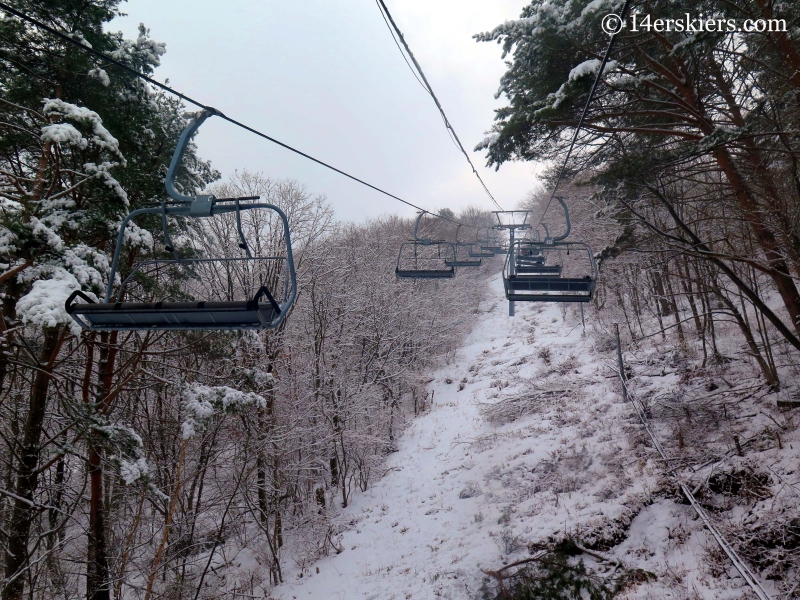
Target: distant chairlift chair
545	284
479	253
495	246
262	310
422	258
460	249
512	221
531	260
535	266
535	270
480	242
530	249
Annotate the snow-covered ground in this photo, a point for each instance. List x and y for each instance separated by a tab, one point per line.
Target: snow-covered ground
527	441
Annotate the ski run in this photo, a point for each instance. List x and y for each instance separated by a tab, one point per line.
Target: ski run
528	440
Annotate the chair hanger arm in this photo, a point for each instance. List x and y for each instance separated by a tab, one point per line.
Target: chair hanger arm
416	231
566	216
180	150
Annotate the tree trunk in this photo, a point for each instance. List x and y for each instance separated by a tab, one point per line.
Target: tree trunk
688	289
98	584
673	301
24	511
665	309
658	294
780	273
769	376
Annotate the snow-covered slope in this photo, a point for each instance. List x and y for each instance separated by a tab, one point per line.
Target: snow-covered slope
527	441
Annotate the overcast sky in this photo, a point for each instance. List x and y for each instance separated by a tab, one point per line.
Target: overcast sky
326	77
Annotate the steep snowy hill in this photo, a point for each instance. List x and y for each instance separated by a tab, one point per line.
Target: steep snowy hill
527	441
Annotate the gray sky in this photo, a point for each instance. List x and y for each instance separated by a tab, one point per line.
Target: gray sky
325	77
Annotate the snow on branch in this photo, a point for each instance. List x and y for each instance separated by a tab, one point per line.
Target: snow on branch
44	304
590	67
143	49
65	133
201	402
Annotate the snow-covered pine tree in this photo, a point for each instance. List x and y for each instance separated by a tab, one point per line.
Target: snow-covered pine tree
82	143
692	135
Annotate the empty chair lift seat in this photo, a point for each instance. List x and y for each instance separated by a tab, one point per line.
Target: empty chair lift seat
528	279
539	270
529	252
260	312
424	258
459	257
550	289
480	254
249	314
425	273
462	262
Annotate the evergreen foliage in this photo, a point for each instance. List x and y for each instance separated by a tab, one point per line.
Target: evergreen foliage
559	574
692	135
81	145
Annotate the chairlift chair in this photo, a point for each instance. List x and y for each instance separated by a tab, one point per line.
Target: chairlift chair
537	265
261	309
479	253
495	245
422	258
528	252
481	238
551	287
530	247
482	241
530	260
459	259
496	249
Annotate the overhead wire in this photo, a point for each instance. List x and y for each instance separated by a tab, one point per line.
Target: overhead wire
86	48
387	15
585	111
416	76
403	54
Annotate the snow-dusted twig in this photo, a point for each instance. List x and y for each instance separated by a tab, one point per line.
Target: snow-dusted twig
598	555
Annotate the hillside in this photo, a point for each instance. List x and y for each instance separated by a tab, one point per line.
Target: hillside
528	441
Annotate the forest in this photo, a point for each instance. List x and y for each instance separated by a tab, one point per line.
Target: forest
189	464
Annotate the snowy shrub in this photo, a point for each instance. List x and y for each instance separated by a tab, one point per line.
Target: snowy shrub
568	365
508	543
43	306
605	342
545	354
471	490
